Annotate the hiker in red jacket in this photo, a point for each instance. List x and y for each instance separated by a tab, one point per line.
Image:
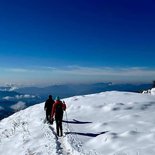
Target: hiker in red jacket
57	111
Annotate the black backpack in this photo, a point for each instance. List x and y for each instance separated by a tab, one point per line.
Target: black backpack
59	110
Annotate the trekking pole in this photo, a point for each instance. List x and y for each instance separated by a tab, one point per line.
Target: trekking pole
68	126
67	120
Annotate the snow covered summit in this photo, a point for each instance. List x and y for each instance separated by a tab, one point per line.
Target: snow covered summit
150	91
153	91
108	123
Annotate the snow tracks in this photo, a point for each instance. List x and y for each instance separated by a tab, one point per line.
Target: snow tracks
25	133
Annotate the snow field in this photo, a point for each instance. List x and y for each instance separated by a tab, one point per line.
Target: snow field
108	123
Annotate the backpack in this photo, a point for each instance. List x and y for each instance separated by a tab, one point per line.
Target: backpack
59	109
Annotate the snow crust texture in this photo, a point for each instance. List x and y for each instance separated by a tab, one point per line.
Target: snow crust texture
150	91
108	123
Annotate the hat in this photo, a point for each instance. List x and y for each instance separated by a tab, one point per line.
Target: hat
50	96
57	98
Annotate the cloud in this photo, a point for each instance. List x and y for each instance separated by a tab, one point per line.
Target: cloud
132	71
21	70
18	106
79	74
8	88
108	73
80	70
13	88
8	98
1	108
26	96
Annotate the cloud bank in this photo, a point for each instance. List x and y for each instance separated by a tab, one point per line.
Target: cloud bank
26	96
1	108
79	74
18	106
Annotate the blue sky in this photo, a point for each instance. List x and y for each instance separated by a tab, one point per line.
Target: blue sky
47	42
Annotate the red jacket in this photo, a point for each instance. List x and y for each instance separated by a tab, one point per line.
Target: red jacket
54	107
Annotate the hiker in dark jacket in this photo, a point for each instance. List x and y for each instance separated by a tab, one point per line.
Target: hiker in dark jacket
57	111
48	108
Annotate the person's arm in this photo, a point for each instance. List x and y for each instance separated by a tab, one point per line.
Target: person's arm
64	106
45	107
53	110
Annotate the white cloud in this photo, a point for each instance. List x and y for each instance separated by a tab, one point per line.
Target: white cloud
18	106
24	96
79	74
80	70
13	88
8	98
21	70
1	108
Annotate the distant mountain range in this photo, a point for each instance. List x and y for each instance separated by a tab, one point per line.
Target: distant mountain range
12	101
27	96
81	89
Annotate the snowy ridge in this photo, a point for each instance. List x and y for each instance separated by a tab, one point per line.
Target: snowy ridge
26	133
150	91
153	91
108	123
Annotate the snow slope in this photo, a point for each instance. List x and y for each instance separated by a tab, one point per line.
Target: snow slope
108	123
150	91
153	91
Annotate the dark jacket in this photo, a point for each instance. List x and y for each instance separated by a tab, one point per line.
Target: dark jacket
48	105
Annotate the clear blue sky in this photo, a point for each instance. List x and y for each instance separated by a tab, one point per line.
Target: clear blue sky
51	41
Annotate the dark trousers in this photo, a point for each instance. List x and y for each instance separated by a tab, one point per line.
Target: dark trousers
48	116
59	125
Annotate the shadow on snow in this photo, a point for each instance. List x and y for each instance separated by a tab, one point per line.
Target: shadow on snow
87	134
76	122
59	148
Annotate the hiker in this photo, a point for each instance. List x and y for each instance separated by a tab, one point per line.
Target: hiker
48	108
57	111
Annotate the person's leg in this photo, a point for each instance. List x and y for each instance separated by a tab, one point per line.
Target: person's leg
46	115
50	120
57	126
60	125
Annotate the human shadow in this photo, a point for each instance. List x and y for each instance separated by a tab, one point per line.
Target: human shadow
87	134
76	122
59	148
147	105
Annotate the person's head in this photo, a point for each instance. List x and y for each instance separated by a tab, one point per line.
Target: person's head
50	96
57	98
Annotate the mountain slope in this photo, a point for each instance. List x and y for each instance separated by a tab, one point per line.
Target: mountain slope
24	133
107	123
